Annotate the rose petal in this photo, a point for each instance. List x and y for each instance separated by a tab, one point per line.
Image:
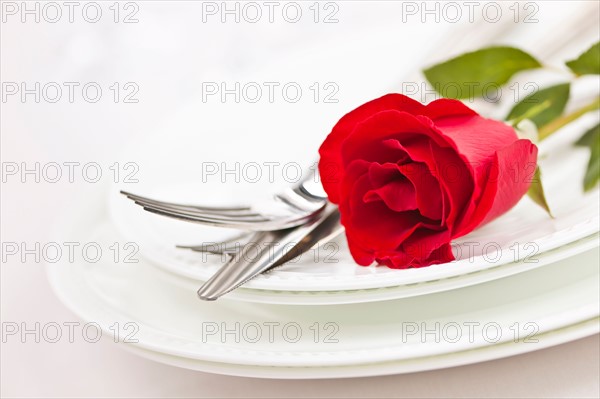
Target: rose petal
393	101
512	171
446	107
443	254
391	228
360	252
398	195
429	196
395	260
480	141
453	169
424	241
330	164
383	152
381	126
455	178
401	260
446	166
475	137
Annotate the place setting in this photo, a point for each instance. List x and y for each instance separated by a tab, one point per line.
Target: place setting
389	237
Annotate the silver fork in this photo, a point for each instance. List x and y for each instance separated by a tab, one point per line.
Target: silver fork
326	227
292	207
275	248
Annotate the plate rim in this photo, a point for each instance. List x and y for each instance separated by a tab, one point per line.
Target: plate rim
551	338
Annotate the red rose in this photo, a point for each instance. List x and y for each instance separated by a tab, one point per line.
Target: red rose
409	177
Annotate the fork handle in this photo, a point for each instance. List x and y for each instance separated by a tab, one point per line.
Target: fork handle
243	268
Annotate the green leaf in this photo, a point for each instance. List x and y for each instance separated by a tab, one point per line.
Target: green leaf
588	137
591	139
592	174
536	191
588	63
542	106
472	74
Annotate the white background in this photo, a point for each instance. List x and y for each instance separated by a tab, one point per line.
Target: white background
168	54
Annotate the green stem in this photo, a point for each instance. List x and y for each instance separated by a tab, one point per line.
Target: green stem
558	123
533	111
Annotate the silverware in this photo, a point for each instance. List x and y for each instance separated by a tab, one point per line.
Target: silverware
327	229
294	206
273	249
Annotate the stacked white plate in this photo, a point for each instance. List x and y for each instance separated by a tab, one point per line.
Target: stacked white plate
530	281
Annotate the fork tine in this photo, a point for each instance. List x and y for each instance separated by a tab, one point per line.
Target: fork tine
229	247
206	215
214	221
197	212
211	249
233	209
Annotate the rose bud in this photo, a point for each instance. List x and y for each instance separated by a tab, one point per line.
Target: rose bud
409	178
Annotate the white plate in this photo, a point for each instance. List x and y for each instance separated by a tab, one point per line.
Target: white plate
551	338
171	319
522	234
